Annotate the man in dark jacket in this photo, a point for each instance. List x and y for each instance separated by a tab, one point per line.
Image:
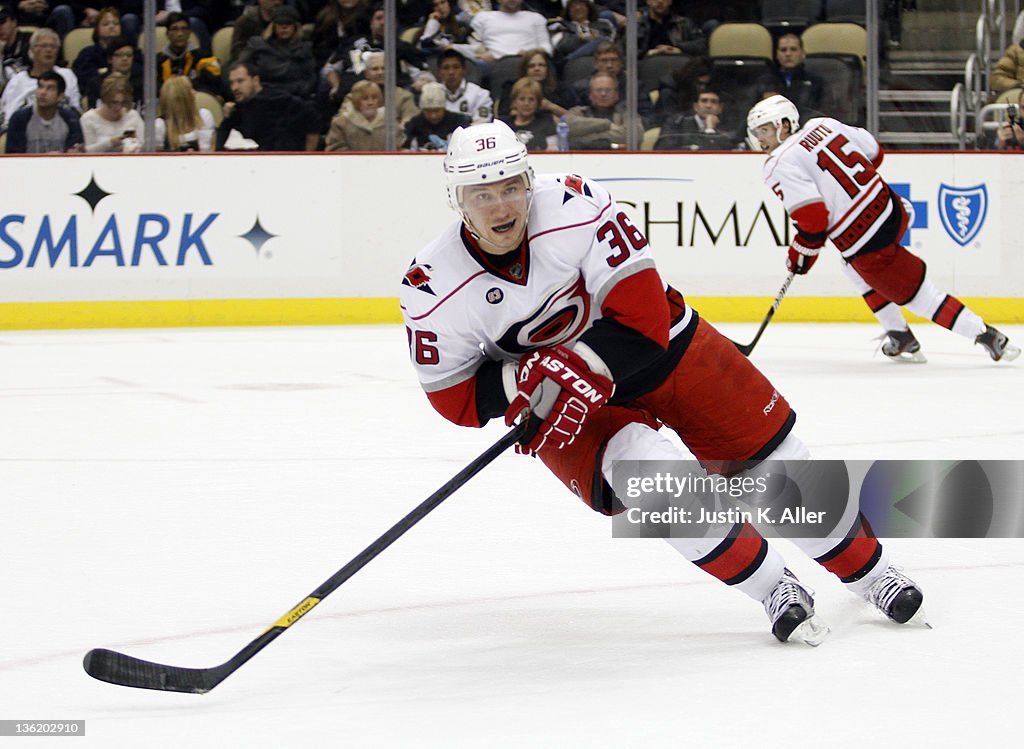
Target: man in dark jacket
804	89
46	126
270	118
184	57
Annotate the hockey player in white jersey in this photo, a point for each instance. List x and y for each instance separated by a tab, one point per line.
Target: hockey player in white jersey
825	174
543	302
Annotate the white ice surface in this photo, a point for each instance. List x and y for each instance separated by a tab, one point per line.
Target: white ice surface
171	493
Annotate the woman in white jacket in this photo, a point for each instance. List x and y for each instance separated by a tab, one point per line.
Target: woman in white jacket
112	125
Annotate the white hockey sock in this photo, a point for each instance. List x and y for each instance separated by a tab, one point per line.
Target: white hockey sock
640	442
928	299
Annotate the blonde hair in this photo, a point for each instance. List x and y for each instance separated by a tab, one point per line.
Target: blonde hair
364	88
529	87
179	110
115	84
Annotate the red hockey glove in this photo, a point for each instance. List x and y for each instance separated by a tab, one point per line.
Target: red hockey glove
801	255
558	390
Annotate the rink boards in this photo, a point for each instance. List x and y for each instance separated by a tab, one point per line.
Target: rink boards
139	241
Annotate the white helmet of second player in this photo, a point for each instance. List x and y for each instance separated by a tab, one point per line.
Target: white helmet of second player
479	154
771	111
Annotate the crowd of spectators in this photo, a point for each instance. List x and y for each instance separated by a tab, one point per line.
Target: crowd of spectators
309	74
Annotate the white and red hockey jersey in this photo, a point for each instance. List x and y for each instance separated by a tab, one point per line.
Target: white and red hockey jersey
825	175
584	271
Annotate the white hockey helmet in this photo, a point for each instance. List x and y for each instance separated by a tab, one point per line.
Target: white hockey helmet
479	154
771	111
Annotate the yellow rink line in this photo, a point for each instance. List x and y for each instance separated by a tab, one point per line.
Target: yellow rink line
368	311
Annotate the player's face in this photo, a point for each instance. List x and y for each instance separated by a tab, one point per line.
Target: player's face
496	212
767	137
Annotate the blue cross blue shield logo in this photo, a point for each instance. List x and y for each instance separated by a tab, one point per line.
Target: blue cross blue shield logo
962	210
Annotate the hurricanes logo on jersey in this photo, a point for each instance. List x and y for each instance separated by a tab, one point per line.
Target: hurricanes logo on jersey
575	183
559	318
418	278
495	295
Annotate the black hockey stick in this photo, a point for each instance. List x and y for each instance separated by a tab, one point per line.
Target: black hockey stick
746	349
118	668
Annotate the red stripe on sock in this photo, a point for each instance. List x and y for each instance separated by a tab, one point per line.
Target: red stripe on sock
738	557
852	560
948	311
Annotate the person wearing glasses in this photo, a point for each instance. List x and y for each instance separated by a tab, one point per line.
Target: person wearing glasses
123	58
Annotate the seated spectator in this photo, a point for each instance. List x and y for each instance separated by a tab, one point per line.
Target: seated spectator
804	89
182	56
405	103
362	128
462	96
536	65
1009	71
13	44
661	31
91	59
579	33
412	68
123	58
601	124
253	22
112	125
45	126
338	24
182	125
1010	135
44	46
608	59
431	128
73	14
509	30
703	121
265	118
443	29
283	59
534	128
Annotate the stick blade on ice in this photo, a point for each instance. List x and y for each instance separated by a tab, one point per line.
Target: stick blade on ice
126	671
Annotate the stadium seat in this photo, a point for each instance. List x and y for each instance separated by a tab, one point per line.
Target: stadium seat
505	69
789	15
411	34
837	38
846	11
741	40
737	79
650	138
206	100
843	79
75	41
578	69
222	44
653	69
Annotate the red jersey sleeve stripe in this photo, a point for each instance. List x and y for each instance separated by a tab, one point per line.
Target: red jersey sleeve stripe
639	302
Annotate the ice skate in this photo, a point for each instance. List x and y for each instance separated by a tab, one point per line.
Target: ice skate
902	346
997	345
790	606
897	596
